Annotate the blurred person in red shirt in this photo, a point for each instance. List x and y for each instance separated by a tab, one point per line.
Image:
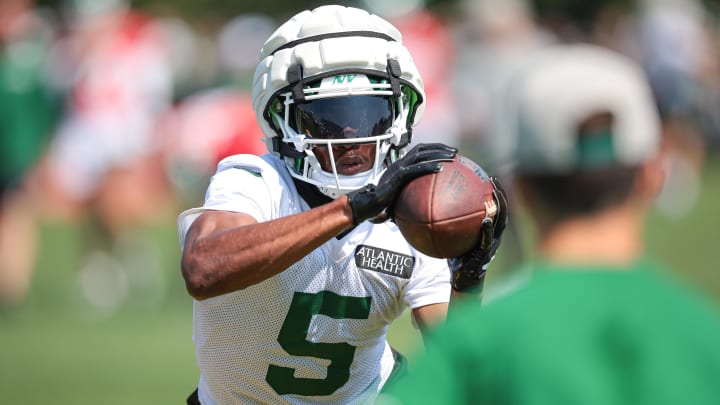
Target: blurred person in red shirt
433	49
221	112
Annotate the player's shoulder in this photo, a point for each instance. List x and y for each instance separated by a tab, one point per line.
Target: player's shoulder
257	164
267	167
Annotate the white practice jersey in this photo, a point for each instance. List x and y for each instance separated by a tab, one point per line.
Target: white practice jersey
315	333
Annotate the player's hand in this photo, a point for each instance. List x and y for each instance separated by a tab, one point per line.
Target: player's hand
468	271
376	201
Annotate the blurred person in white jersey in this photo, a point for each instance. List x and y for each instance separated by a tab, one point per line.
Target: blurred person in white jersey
295	269
102	171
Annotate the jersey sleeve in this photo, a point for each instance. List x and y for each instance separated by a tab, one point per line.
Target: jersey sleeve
239	189
429	284
240	184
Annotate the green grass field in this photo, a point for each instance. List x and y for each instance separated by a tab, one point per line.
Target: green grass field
57	349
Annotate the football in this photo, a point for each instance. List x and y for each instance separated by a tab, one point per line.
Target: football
440	214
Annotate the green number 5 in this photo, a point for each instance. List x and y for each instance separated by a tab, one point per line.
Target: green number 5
293	336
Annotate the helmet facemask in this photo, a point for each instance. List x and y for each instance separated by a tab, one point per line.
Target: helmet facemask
346	109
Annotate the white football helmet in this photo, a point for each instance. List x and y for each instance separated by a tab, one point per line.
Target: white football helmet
330	68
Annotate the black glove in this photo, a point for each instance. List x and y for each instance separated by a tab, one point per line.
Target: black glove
468	271
373	200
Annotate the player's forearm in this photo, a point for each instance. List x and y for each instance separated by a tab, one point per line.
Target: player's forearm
235	258
463	297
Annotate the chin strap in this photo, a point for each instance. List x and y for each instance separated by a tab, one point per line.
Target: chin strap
396	149
286	149
310	193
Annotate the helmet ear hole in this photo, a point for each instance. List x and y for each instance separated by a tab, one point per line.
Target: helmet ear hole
275	117
276	107
410	100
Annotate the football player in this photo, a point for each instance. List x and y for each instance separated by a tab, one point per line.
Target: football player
295	270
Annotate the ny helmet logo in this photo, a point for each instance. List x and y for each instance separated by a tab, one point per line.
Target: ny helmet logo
340	79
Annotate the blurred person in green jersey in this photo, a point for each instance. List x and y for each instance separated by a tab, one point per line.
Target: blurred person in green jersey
29	110
595	321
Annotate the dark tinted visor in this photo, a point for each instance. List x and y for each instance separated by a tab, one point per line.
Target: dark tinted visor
343	117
